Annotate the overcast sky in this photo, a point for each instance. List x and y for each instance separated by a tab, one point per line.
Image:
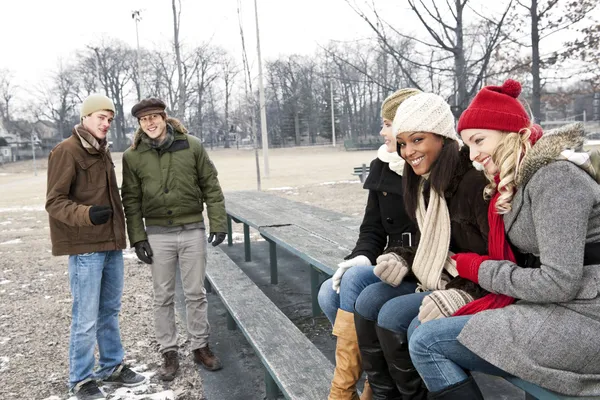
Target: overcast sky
36	34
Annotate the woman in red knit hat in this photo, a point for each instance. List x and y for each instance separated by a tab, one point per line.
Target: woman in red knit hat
545	199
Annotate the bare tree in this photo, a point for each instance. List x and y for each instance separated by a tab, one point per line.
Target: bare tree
58	99
181	101
7	93
547	17
229	71
454	49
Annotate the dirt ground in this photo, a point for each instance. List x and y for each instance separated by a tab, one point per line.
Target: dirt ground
34	294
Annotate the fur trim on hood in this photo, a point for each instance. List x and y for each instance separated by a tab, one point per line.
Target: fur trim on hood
175	124
549	148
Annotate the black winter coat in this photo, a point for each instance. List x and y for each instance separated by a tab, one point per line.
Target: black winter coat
468	219
385	218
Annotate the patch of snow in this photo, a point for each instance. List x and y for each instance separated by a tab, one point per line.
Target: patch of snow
3	363
47	297
14	241
7	271
5	222
52	398
4	340
338	182
24	208
4	282
282	188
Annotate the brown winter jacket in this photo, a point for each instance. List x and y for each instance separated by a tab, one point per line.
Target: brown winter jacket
80	177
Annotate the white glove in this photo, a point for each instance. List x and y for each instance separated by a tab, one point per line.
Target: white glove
345	266
391	268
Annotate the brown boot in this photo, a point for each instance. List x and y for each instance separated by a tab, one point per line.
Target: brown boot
367	393
347	358
170	366
207	359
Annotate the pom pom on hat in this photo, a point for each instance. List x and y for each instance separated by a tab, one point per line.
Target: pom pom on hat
511	88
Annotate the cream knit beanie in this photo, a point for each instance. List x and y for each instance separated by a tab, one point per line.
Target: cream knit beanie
425	112
391	103
96	102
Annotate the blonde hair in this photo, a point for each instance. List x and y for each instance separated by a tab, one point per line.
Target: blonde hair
508	157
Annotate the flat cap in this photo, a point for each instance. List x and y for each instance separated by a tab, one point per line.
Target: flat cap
148	106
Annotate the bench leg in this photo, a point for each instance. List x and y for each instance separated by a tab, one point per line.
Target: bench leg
229	231
314	291
247	250
231	325
207	285
271	387
273	257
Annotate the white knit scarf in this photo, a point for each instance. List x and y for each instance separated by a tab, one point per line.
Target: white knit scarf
432	255
395	162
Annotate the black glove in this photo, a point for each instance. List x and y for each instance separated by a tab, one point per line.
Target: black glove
216	238
100	214
144	251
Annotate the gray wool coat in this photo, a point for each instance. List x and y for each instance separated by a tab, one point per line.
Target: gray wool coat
551	336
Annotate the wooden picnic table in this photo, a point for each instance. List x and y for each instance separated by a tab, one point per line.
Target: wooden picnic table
320	237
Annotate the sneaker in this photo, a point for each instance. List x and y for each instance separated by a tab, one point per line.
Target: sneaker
88	390
207	359
170	365
124	376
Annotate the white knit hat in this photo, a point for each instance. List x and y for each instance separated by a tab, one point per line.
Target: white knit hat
425	112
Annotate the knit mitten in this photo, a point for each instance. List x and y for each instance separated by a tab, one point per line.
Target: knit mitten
442	303
391	269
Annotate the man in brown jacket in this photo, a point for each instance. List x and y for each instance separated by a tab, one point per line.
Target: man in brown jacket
88	225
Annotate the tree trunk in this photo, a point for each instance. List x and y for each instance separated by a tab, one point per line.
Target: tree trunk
176	45
460	64
297	127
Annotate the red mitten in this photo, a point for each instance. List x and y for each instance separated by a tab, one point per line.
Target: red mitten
467	265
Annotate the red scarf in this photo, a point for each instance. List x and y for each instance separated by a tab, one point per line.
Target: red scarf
498	249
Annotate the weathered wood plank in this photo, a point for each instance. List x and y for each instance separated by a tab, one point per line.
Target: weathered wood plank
300	370
311	247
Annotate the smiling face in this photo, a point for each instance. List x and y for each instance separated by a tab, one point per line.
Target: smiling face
420	150
155	126
482	144
388	135
98	123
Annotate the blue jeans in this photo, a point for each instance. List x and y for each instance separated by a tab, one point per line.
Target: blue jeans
392	308
440	358
96	281
354	281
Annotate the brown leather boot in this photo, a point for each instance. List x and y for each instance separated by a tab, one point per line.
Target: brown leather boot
207	359
347	358
170	366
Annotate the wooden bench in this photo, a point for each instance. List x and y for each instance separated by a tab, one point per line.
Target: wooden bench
320	237
362	172
533	392
293	365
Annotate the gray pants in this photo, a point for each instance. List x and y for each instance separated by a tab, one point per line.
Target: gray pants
188	248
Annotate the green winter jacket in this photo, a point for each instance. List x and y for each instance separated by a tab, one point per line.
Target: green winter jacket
170	187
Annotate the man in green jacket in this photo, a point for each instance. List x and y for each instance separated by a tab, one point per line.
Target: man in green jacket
167	178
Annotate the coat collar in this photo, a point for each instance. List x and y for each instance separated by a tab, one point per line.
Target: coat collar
548	149
545	151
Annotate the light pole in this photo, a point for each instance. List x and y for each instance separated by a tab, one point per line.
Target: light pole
137	17
261	99
332	112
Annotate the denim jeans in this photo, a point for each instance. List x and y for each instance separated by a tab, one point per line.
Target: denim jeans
96	281
440	358
353	282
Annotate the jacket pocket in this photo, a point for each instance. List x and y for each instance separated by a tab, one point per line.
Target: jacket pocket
92	176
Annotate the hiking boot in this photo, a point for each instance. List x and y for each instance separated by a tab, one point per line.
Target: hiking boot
207	359
170	366
124	376
88	390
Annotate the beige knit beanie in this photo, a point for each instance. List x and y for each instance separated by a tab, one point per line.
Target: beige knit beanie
391	103
96	102
425	112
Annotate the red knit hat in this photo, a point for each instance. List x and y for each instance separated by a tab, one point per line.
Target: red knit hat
497	108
